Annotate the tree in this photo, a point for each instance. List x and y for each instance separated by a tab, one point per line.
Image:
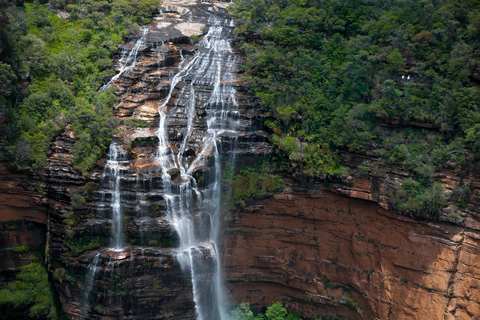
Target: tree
276	312
242	312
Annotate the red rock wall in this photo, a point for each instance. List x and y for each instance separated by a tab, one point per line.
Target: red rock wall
20	196
23	218
322	253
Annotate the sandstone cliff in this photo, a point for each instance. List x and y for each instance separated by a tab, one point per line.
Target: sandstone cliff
322	252
335	250
142	277
23	218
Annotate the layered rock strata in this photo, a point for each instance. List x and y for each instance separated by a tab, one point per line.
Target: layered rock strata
23	218
323	253
140	275
337	251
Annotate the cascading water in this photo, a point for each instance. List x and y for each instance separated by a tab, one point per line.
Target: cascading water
117	157
117	163
90	278
152	202
128	62
196	214
111	180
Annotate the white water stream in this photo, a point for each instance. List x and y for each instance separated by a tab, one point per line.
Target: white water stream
89	280
129	61
117	163
196	215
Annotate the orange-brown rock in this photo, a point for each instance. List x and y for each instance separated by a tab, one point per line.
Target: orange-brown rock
23	218
21	196
323	253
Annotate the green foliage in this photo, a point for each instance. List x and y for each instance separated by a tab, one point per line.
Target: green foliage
7	78
242	312
93	125
78	201
62	63
22	249
80	244
417	200
71	219
395	61
29	296
250	183
329	75
274	312
350	302
89	188
135	122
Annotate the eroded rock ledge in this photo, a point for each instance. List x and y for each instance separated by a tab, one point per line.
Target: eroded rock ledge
142	278
323	253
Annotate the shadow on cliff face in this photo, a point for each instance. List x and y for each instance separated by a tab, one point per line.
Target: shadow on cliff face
322	253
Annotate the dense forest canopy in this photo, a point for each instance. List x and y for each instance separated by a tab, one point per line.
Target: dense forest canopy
55	56
396	80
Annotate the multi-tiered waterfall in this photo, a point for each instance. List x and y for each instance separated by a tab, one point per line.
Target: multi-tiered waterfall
195	214
150	243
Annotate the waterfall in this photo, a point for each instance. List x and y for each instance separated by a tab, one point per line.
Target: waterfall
201	91
117	163
128	63
196	214
117	158
90	278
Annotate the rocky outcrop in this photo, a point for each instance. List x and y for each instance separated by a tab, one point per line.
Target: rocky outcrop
142	277
325	253
22	196
339	247
336	250
23	218
460	187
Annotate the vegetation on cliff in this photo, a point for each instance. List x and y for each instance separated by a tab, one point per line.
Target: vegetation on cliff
274	312
55	57
395	80
249	183
29	296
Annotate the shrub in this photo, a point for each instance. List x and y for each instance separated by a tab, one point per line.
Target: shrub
78	201
250	183
276	312
242	312
29	296
417	200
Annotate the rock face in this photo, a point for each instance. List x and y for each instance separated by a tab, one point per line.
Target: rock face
23	218
114	246
337	251
323	253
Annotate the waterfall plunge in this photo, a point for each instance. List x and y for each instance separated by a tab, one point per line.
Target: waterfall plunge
195	214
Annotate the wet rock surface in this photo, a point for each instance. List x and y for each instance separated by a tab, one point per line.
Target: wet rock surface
138	275
129	284
338	252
